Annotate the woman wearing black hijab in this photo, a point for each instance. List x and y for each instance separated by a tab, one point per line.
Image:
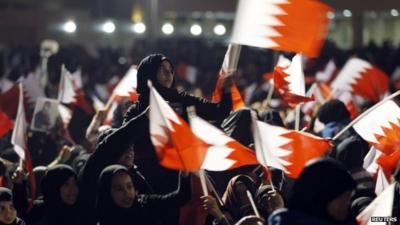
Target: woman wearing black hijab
320	196
59	204
118	203
160	71
8	214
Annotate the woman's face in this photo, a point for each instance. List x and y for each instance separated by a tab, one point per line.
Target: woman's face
7	212
123	191
338	208
165	75
241	194
69	191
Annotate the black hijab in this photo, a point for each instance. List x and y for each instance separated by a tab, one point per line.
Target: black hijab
109	212
6	196
147	70
321	181
56	211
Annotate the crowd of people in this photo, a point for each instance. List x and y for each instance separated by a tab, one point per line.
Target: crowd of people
111	175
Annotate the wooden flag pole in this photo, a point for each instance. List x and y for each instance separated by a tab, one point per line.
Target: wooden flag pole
213	189
397	93
297	117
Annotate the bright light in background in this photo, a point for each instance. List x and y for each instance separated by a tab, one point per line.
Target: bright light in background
330	15
196	30
219	29
347	13
139	28
167	28
394	12
69	26
108	27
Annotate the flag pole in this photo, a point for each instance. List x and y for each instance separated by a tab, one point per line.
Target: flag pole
213	189
297	117
253	205
397	93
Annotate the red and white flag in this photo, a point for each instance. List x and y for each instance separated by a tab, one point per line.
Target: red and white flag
180	148
126	88
285	149
229	66
224	152
69	93
361	78
289	82
381	127
382	206
287	25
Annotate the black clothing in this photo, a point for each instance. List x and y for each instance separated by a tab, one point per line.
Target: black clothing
146	209
321	182
51	210
110	148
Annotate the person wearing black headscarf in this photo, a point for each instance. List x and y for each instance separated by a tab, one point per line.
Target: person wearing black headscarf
160	71
320	196
118	201
351	152
335	116
114	146
59	204
8	214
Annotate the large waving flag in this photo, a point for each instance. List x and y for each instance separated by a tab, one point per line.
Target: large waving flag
285	149
229	66
289	82
361	78
382	207
288	25
180	148
381	127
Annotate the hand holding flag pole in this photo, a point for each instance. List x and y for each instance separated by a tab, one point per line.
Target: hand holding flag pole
397	93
